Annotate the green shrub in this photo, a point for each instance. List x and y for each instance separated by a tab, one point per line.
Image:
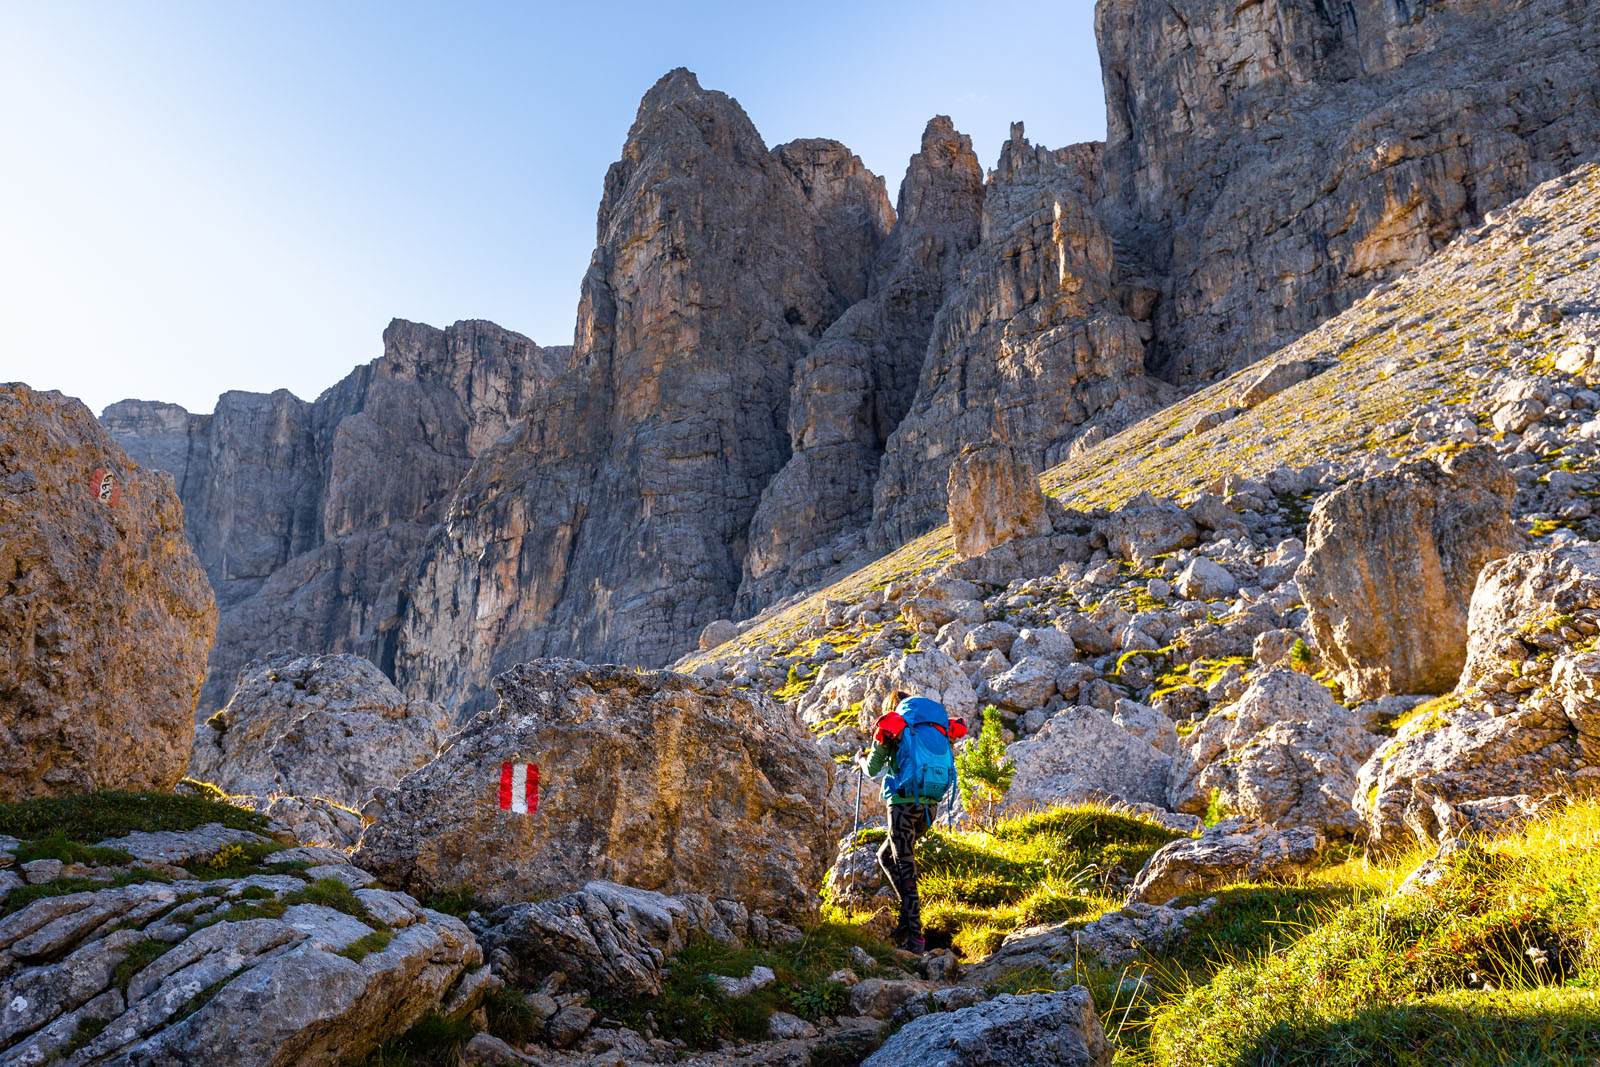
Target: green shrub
432	1042
457	902
138	958
984	772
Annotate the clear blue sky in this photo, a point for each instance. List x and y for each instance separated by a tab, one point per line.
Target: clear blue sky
208	196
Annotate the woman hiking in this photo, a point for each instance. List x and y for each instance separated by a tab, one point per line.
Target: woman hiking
913	741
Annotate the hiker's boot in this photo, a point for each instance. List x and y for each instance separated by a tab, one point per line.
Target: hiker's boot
915	944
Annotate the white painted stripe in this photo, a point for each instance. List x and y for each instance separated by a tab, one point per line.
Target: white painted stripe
519	787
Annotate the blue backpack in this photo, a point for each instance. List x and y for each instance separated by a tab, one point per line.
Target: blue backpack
925	762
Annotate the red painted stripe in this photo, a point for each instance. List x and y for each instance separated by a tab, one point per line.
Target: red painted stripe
533	788
505	786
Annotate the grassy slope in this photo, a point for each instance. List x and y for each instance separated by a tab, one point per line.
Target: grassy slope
1410	343
1498	963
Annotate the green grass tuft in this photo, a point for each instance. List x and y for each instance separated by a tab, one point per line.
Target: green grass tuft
57	846
364	946
92	817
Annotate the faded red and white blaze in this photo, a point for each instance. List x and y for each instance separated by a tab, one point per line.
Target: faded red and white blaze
104	488
519	787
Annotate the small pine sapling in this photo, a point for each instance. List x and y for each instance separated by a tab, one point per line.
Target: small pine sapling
1300	657
984	772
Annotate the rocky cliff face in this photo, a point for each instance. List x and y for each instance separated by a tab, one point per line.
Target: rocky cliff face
773	371
305	515
854	387
612	524
1031	345
1267	164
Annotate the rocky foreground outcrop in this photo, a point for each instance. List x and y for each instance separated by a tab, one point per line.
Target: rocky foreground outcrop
267	970
305	514
316	726
616	939
105	614
1524	720
656	780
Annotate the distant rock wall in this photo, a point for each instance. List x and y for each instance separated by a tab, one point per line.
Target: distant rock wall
773	371
306	515
1031	344
855	386
612	524
1267	164
105	616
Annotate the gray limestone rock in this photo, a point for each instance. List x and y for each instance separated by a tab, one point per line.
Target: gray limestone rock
993	497
1232	850
1042	1029
1082	754
1525	717
1285	753
1391	561
251	991
1030	345
1266	166
315	726
614	938
611	522
306	515
854	387
663	781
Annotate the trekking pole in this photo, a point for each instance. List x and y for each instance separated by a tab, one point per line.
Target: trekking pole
855	829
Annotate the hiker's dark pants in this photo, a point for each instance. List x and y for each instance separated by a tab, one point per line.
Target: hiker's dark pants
896	856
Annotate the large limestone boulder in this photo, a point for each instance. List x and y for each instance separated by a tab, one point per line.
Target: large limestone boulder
1141	533
1232	850
1040	1029
147	974
318	726
1286	753
1082	754
104	612
614	938
1525	718
994	497
1391	561
651	779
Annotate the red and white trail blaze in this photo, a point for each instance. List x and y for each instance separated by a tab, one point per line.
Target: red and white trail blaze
519	787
